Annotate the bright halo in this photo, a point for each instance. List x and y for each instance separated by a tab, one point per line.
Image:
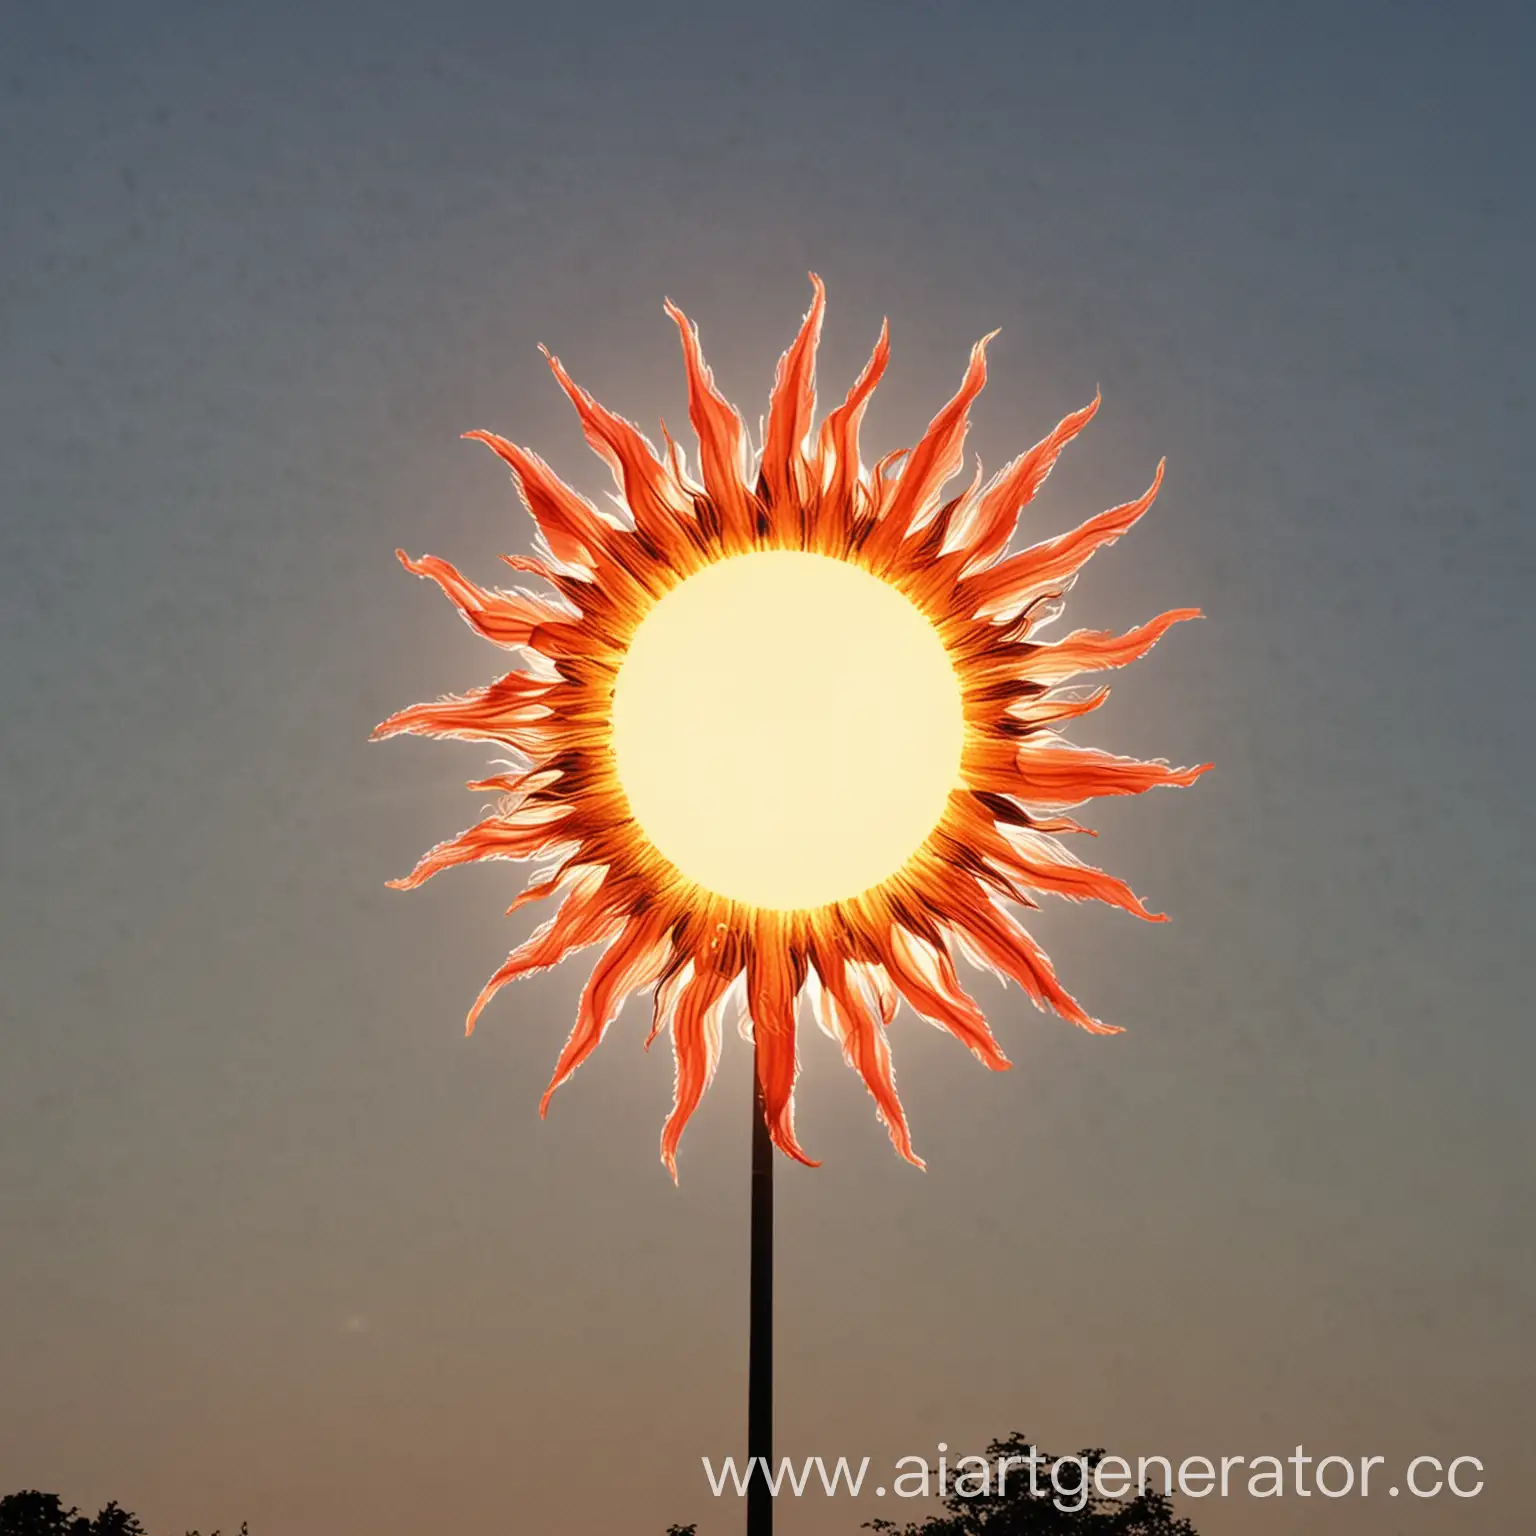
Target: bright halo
787	729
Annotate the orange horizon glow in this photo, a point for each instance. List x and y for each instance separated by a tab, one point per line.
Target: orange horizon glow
906	792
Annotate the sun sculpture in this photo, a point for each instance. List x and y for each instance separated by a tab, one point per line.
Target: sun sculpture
783	729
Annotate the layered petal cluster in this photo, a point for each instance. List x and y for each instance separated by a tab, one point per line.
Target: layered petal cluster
709	959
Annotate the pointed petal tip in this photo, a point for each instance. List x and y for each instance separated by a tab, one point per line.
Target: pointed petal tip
1176	616
786	1143
1098	1026
976	368
478	1006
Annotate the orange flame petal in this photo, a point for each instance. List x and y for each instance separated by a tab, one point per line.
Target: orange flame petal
1048	566
837	454
1006	946
508	619
696	1051
634	960
931	464
722	441
580	921
997	513
1093	650
651	491
865	1048
786	472
926	976
773	985
572	527
1054	772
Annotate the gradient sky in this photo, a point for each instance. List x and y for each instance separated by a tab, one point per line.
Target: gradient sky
278	1243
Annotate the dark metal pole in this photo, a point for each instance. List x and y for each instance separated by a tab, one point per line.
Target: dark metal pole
760	1357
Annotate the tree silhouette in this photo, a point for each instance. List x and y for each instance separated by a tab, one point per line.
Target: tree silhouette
113	1521
43	1514
39	1514
1035	1507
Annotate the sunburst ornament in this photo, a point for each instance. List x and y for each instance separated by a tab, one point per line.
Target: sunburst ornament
784	729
